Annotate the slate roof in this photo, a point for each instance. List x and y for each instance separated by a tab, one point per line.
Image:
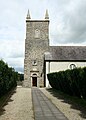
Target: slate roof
66	53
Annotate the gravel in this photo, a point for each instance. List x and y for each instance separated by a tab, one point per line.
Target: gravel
19	106
68	111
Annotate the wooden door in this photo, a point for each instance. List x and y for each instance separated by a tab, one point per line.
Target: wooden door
34	81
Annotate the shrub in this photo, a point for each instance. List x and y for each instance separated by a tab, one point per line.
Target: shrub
72	82
8	78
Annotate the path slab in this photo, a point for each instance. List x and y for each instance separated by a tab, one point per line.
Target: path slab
44	109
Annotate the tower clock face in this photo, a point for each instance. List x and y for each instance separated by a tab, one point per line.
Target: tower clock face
37	33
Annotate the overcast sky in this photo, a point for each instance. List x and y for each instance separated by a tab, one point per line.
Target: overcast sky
67	25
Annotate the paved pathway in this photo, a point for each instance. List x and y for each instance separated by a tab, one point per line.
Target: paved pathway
44	109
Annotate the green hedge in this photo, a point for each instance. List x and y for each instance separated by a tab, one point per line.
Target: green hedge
8	78
72	82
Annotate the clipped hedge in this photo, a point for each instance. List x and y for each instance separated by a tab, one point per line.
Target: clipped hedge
8	78
72	82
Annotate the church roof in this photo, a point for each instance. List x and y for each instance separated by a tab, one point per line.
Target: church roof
66	53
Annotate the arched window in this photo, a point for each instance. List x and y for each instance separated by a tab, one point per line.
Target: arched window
72	66
37	33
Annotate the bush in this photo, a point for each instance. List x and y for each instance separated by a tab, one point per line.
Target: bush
72	82
8	78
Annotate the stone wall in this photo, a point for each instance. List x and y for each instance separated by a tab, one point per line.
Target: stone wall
36	44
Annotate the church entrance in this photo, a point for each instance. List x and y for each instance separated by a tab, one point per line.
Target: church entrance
34	81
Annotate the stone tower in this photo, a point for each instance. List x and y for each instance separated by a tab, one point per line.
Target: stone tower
36	44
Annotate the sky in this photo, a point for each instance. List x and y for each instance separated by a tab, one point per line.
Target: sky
67	25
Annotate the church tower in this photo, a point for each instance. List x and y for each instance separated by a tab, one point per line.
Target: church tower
36	44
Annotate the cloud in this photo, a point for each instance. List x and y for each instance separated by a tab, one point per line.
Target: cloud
12	52
71	28
11	49
19	69
16	63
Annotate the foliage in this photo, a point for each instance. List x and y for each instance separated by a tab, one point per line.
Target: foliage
20	77
8	78
72	82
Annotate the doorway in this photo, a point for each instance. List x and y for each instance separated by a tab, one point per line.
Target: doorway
34	81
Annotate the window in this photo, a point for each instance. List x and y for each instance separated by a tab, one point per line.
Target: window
34	62
72	66
37	33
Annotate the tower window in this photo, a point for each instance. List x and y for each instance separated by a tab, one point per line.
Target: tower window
37	33
34	62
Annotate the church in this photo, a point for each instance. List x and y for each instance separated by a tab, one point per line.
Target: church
41	59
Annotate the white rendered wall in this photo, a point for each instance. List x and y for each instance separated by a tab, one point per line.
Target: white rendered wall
60	66
47	71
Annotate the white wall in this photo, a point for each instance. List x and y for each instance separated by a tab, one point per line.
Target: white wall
60	66
47	71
